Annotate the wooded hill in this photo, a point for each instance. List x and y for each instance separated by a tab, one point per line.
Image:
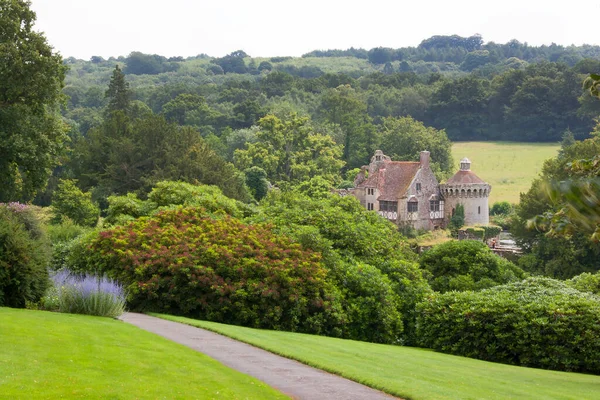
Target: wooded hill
473	90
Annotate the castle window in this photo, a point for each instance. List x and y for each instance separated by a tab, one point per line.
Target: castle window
412	206
377	158
371	191
418	186
370	206
388	206
479	210
434	205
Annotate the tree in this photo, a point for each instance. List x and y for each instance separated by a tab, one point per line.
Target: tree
256	180
31	80
125	155
380	55
290	151
458	219
555	221
176	109
118	93
343	107
151	64
233	62
467	265
403	139
459	107
69	201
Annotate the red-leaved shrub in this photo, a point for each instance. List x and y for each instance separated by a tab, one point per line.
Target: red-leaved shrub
184	262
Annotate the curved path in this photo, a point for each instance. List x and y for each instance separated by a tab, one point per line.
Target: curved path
290	377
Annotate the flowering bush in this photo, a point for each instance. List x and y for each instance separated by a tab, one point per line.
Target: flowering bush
85	294
182	261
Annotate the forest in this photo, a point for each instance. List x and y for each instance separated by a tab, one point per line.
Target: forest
204	185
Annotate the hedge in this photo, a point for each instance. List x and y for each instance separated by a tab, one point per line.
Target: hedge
539	322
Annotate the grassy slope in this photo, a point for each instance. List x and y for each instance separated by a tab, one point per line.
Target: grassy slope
415	373
509	167
52	355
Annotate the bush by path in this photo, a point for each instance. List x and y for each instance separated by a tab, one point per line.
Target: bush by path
539	322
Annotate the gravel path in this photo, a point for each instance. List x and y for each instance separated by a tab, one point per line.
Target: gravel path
290	377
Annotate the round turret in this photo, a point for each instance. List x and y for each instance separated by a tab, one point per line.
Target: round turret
472	192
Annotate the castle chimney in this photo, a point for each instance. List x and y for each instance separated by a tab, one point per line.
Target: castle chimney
424	159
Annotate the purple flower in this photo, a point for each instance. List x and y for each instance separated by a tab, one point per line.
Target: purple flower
89	294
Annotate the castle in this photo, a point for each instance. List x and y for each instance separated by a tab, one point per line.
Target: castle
408	193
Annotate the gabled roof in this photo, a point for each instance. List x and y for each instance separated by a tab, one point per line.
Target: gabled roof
392	179
464	177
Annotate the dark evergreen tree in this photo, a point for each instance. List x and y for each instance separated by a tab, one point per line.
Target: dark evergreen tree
118	92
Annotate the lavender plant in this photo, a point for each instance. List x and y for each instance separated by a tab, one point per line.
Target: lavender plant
85	294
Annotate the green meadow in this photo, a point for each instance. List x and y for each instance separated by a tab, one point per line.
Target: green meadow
413	373
509	167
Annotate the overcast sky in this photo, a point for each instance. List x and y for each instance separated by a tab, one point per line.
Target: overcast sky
82	28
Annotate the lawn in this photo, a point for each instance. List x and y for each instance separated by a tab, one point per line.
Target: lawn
414	373
508	166
52	355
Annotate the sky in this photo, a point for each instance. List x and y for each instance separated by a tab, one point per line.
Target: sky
266	28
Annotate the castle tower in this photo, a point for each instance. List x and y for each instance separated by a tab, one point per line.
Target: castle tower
472	192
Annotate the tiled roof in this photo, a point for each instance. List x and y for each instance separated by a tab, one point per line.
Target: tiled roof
464	177
392	179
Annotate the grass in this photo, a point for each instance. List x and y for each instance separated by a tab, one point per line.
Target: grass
414	373
433	238
52	355
508	166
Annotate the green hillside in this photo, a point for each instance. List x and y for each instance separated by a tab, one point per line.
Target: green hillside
509	167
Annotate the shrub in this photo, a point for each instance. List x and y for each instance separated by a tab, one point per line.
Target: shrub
491	231
501	208
539	322
85	294
341	229
586	282
476	232
458	219
23	256
165	194
65	231
371	306
182	261
467	265
69	201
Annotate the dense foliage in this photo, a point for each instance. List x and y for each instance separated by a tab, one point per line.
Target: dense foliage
360	245
70	202
31	79
538	322
467	265
167	194
557	255
184	262
23	256
586	282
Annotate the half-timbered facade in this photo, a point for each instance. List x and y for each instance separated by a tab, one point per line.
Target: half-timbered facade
407	192
404	192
